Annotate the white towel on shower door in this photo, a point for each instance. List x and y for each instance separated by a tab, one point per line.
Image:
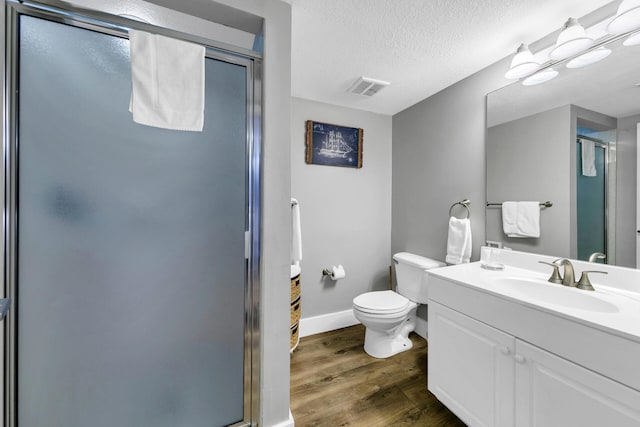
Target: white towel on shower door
588	158
459	241
167	82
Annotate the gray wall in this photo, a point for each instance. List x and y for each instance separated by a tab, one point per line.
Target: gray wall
439	159
626	156
345	212
528	159
275	298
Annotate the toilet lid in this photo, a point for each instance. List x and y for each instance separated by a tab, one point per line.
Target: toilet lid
380	302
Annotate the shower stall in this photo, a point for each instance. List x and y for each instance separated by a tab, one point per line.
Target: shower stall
591	195
131	252
595	196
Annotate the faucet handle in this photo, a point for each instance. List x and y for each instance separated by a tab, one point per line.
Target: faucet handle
555	276
584	283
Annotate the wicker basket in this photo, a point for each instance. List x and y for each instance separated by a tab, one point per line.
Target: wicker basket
295	288
294	337
295	311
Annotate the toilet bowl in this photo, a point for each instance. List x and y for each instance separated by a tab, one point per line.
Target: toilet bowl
390	316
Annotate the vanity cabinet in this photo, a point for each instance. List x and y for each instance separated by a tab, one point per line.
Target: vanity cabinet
551	391
490	378
471	368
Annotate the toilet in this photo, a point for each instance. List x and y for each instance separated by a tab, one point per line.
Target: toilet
390	316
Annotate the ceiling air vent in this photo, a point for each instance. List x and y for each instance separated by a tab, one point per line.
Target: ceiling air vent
366	86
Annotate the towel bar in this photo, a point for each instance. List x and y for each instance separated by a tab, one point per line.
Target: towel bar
464	203
546	204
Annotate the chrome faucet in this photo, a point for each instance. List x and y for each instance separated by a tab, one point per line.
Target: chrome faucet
594	257
566	279
569	277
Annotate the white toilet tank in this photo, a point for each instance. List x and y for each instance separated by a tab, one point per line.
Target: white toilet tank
412	280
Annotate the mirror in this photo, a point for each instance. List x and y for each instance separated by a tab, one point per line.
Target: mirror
535	136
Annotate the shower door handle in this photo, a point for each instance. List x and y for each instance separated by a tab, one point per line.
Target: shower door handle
4	307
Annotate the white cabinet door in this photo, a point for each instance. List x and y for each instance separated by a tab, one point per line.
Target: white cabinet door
553	392
471	368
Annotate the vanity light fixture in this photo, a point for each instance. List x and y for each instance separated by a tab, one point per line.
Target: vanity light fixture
540	77
632	40
627	18
522	64
575	47
589	58
571	41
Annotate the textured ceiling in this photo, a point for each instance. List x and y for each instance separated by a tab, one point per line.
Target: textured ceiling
420	46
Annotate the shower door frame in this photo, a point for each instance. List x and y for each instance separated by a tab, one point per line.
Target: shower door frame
606	147
63	13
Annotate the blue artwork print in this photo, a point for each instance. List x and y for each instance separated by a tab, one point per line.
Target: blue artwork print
333	145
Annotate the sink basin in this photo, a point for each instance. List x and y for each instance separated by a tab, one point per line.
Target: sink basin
537	290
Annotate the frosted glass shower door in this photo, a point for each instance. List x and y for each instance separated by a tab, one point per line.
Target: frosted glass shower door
591	202
131	267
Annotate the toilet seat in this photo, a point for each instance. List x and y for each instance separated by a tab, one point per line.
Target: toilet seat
381	302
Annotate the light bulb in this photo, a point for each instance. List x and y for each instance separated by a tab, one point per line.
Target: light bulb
589	58
540	77
627	18
572	40
522	64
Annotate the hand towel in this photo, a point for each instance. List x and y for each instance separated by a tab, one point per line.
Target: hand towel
459	241
167	77
521	219
296	233
509	217
588	158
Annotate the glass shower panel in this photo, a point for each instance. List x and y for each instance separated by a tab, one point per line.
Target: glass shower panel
131	269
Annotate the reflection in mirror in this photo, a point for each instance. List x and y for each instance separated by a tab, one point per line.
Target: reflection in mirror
571	141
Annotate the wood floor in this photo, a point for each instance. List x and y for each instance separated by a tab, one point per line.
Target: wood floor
335	383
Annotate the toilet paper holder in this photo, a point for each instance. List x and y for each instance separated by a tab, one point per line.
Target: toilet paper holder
334	273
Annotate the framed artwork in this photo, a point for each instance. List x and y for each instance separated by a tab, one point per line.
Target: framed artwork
333	145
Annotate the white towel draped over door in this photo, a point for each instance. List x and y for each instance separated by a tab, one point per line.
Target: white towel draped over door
588	157
167	82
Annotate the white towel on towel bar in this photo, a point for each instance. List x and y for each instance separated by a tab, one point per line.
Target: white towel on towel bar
167	82
521	219
459	241
296	233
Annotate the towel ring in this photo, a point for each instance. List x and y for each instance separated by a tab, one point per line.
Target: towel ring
464	203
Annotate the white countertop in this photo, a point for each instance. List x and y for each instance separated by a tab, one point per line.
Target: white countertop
624	322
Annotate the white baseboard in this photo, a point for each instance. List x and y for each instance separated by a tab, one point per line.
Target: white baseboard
421	327
286	423
327	322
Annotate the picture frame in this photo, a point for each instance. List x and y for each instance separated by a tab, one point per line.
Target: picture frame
333	145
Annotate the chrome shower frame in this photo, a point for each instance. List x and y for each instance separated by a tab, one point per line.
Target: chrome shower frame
62	12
